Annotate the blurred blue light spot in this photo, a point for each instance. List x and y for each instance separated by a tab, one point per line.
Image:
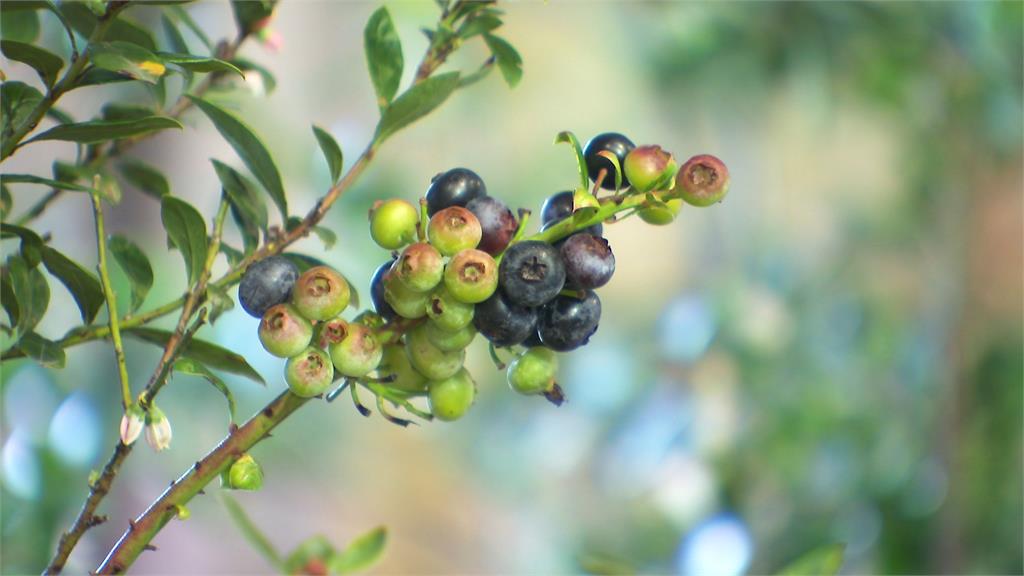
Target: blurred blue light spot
21	466
599	377
719	546
29	400
685	329
75	431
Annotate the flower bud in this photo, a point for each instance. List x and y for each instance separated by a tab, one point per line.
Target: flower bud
158	429
649	168
131	424
245	474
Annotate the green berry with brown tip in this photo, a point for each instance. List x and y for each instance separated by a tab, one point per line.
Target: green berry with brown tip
320	293
429	360
395	364
420	267
357	353
453	230
452	397
471	276
284	332
448	313
309	373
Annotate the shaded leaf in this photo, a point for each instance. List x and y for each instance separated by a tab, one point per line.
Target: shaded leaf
233	255
509	61
824	561
361	553
8	338
249	147
252	534
144	177
19	25
480	74
186	230
46	352
135	265
30	179
84	21
383	55
84	286
17	100
569	138
26	294
174	38
103	182
97	76
247	207
46	63
31	243
332	152
212	355
59	115
125	111
129	59
6	202
96	131
416	103
219	301
194	368
200	63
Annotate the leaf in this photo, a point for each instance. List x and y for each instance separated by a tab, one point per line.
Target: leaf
84	287
189	23
28	295
194	368
147	179
569	138
416	103
269	83
248	13
30	179
479	25
46	63
611	157
332	152
8	338
104	183
212	355
200	63
174	37
219	301
509	61
124	111
129	59
96	131
361	553
823	561
315	549
17	100
187	231
31	243
233	255
252	534
249	147
59	115
383	55
135	265
78	15
97	76
480	74
247	207
6	202
19	25
46	352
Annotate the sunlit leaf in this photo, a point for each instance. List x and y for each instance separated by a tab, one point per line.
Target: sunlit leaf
383	55
332	152
186	231
135	265
416	103
509	61
361	553
46	63
129	59
200	63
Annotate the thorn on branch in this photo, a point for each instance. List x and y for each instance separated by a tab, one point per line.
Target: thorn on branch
149	548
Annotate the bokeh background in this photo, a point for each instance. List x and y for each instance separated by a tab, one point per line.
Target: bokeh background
831	355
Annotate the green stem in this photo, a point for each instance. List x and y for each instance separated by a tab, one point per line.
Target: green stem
108	292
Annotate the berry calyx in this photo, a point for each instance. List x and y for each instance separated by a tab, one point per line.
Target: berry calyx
320	293
612	142
471	276
309	373
661	214
589	261
357	353
419	268
266	283
284	332
452	397
531	273
454	229
533	371
504	323
649	168
395	364
393	223
455	187
447	312
429	360
497	223
449	341
703	180
568	322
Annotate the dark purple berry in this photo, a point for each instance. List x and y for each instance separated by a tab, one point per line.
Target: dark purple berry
616	144
532	341
589	262
568	322
496	221
504	323
455	187
531	273
377	292
266	283
556	207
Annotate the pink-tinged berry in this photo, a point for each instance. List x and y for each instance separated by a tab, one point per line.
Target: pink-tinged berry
309	373
649	168
703	180
284	332
320	293
454	229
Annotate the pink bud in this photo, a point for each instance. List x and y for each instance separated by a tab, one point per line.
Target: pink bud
271	39
158	429
131	424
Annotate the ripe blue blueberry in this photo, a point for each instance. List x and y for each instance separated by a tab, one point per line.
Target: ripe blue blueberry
266	283
589	261
616	144
531	273
455	187
504	323
568	322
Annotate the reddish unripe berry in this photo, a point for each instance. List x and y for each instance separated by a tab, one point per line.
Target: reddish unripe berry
420	267
284	332
649	168
357	353
320	293
454	229
703	180
309	373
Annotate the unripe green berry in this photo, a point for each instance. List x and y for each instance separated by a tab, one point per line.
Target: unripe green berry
447	312
419	268
328	332
245	474
452	397
320	293
471	276
649	168
662	214
395	362
357	353
309	373
533	372
703	180
284	332
406	303
450	341
427	359
454	229
393	223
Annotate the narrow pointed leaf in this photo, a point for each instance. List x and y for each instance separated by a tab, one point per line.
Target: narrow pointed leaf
46	352
416	103
247	207
129	59
31	243
6	201
30	179
211	355
97	131
17	100
509	61
480	25
361	553
84	286
26	294
194	368
186	231
135	265
332	152
200	63
252	534
383	55
186	19
569	138
174	37
47	64
147	179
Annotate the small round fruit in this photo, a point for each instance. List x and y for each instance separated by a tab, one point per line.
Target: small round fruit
589	261
471	276
284	332
329	332
393	223
497	223
616	144
446	341
533	371
504	323
427	359
266	283
452	397
357	353
419	268
455	187
448	313
649	168
703	180
453	230
320	293
568	322
309	373
556	207
531	273
662	214
405	302
395	363
380	303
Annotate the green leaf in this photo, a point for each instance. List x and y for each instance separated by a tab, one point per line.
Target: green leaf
125	111
481	73
200	63
332	152
30	179
212	355
569	138
187	231
19	25
823	561
316	548
84	287
252	534
47	64
509	61
59	115
46	352
269	83
174	37
97	76
219	301
135	265
96	131
383	55
31	243
104	183
479	25
186	19
416	103
247	207
8	338
78	15
361	553
193	368
611	157
17	100
147	179
234	255
249	147
129	59
248	13
26	294
6	201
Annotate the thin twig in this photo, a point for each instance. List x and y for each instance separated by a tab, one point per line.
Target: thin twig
108	293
